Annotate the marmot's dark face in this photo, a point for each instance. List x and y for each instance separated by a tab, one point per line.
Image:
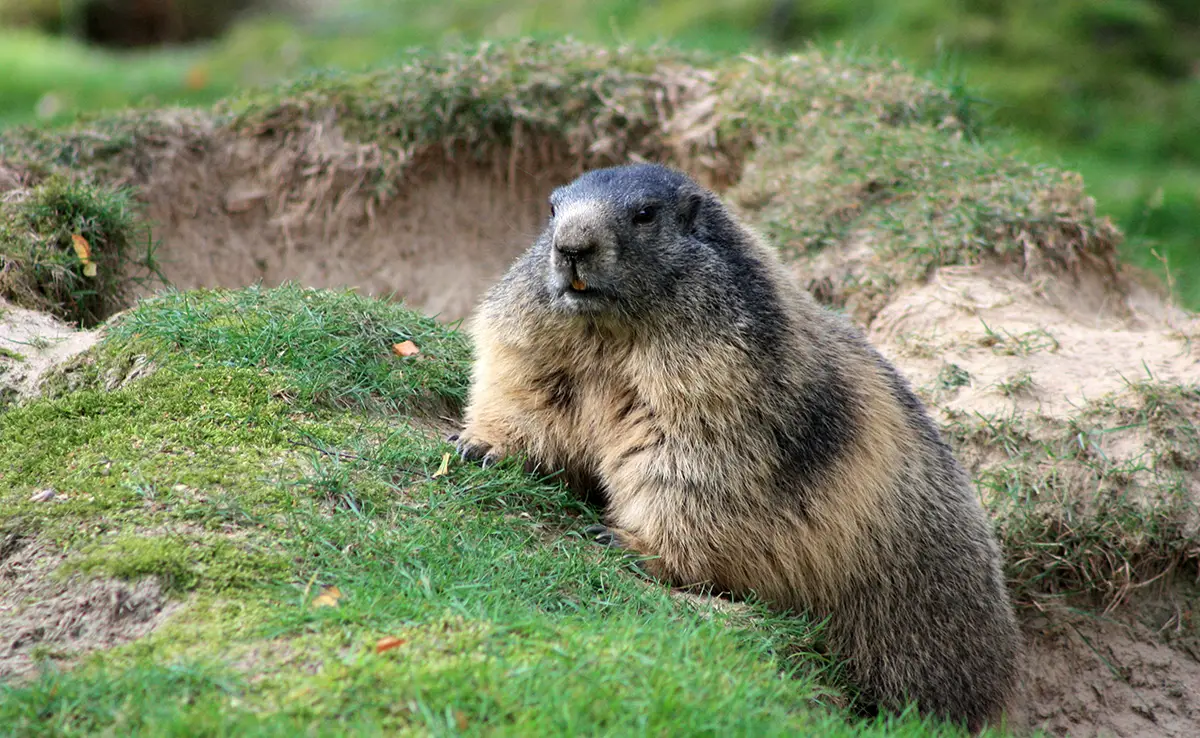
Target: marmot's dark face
618	238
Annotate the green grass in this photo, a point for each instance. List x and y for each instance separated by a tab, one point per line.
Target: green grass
335	347
52	79
919	198
248	480
1158	208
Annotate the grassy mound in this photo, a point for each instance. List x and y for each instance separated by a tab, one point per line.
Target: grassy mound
250	483
1100	504
73	249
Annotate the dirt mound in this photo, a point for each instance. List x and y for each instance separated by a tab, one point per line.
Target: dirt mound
1076	408
438	244
42	616
426	179
983	340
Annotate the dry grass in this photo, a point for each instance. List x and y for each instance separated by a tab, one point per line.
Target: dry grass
1102	504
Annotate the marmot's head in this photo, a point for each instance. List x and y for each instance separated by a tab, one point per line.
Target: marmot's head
619	239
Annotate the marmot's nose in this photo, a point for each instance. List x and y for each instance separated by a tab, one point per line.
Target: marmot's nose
575	247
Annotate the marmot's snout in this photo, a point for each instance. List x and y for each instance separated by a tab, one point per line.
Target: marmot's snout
572	259
578	243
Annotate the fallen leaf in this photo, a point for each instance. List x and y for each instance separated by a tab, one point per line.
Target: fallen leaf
460	719
197	77
387	644
328	598
444	468
405	348
82	249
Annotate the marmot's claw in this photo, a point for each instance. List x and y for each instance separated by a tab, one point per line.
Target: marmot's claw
474	450
452	438
602	535
481	451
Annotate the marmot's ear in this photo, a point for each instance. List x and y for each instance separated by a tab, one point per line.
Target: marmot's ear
690	202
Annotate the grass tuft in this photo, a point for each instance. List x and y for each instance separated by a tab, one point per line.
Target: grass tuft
1079	514
41	266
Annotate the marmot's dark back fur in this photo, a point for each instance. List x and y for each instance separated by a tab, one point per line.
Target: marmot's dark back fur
743	436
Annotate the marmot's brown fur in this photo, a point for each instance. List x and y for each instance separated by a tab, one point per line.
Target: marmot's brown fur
743	436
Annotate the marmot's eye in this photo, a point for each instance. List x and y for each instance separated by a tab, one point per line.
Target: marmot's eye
551	210
645	215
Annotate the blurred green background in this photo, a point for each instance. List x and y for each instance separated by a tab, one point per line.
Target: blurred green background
1109	88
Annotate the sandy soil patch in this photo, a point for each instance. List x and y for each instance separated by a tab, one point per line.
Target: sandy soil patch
33	343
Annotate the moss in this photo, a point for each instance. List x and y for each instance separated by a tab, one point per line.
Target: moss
232	417
208	449
189	467
180	561
84	371
332	348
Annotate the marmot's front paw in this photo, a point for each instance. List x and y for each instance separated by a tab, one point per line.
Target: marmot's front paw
474	449
605	536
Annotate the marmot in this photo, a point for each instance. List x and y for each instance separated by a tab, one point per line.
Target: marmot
743	436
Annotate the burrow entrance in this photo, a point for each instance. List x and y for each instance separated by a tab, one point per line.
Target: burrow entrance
438	244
